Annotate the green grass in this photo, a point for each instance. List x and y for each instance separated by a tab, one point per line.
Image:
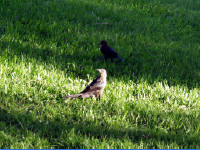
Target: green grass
50	48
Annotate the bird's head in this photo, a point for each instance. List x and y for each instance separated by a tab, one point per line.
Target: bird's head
103	43
102	72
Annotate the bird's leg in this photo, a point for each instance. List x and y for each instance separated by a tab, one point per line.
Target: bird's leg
106	58
99	97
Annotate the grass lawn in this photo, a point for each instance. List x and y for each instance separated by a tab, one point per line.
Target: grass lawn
50	49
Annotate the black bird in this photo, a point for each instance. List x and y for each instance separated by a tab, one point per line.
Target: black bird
108	52
95	88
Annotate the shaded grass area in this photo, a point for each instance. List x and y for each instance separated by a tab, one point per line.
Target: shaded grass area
163	44
50	49
73	131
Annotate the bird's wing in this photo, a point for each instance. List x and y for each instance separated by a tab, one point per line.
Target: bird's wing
108	51
96	84
114	53
112	50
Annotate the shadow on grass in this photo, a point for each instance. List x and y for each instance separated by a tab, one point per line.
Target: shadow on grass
187	5
56	130
146	59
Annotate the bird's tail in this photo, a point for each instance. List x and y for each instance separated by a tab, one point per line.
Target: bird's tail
73	96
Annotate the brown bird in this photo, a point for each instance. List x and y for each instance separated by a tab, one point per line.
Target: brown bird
95	88
108	52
